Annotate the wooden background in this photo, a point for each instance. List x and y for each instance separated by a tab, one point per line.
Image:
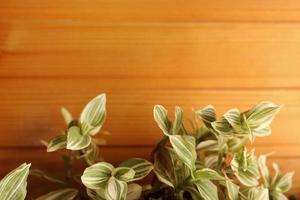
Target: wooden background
192	53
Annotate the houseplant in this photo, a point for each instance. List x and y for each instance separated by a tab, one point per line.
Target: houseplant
209	162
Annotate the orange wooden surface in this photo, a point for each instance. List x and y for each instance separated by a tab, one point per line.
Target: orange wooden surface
142	53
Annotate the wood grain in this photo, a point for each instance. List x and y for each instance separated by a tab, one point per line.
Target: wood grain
212	55
152	10
31	109
189	53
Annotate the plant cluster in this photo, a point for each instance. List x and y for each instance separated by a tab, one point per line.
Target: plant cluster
209	161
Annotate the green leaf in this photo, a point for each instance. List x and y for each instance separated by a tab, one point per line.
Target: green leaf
141	167
164	168
75	140
284	184
125	174
260	116
161	118
66	115
93	115
254	193
57	143
178	120
62	194
264	169
232	190
208	115
13	185
184	146
169	169
208	145
207	173
134	191
222	126
96	176
207	189
245	168
115	189
193	192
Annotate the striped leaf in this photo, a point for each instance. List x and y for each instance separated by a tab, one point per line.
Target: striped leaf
96	176
178	120
284	183
254	193
164	167
62	194
207	189
125	174
57	143
208	115
264	169
161	117
232	190
75	140
260	116
193	192
245	168
141	167
13	185
66	115
208	145
134	191
116	189
184	147
93	115
222	126
207	173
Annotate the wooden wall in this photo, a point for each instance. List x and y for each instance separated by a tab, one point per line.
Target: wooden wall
144	52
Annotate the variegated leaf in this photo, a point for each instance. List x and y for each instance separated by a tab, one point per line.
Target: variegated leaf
208	115
207	189
245	168
96	176
57	143
208	145
134	191
222	126
184	146
115	189
161	117
13	185
178	120
93	115
75	140
232	190
260	116
207	173
62	194
284	183
66	115
264	169
141	167
125	174
193	192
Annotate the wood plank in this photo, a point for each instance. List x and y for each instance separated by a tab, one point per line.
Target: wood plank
30	109
205	55
53	164
152	10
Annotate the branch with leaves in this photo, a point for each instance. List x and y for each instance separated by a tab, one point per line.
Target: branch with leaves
209	161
